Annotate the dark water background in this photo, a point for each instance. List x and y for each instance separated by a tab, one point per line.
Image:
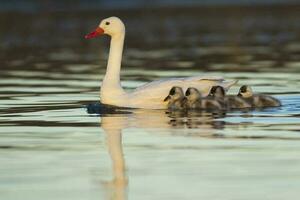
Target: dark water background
51	147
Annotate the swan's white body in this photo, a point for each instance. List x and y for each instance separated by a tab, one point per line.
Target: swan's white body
150	95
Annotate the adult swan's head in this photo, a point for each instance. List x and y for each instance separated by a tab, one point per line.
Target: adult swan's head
112	26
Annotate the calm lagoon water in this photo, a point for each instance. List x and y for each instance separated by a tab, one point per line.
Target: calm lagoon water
51	147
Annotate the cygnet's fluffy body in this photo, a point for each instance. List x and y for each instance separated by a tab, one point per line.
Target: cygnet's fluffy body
228	101
194	100
175	99
257	100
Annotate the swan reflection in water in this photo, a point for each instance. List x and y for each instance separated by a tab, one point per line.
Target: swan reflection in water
113	129
114	121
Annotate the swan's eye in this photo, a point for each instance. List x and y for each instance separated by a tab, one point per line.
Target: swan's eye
107	23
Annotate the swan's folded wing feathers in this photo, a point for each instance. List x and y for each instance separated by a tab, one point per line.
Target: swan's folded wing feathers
152	94
159	83
157	89
200	78
179	82
161	88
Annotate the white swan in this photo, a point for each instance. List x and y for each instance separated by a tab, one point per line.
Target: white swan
150	95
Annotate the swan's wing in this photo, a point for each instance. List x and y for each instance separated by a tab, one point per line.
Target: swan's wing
201	81
156	89
198	78
179	82
160	89
151	95
158	83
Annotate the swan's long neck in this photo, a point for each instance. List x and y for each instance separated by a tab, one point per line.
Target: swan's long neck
111	85
112	76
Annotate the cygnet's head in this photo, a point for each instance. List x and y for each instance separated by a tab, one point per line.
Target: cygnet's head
112	26
245	91
192	94
217	91
176	93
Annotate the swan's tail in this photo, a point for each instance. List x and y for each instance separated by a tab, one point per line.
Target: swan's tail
228	84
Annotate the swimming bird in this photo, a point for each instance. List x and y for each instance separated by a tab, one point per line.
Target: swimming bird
228	101
196	101
257	100
176	99
150	95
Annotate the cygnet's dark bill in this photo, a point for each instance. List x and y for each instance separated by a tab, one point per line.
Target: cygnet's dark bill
167	98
